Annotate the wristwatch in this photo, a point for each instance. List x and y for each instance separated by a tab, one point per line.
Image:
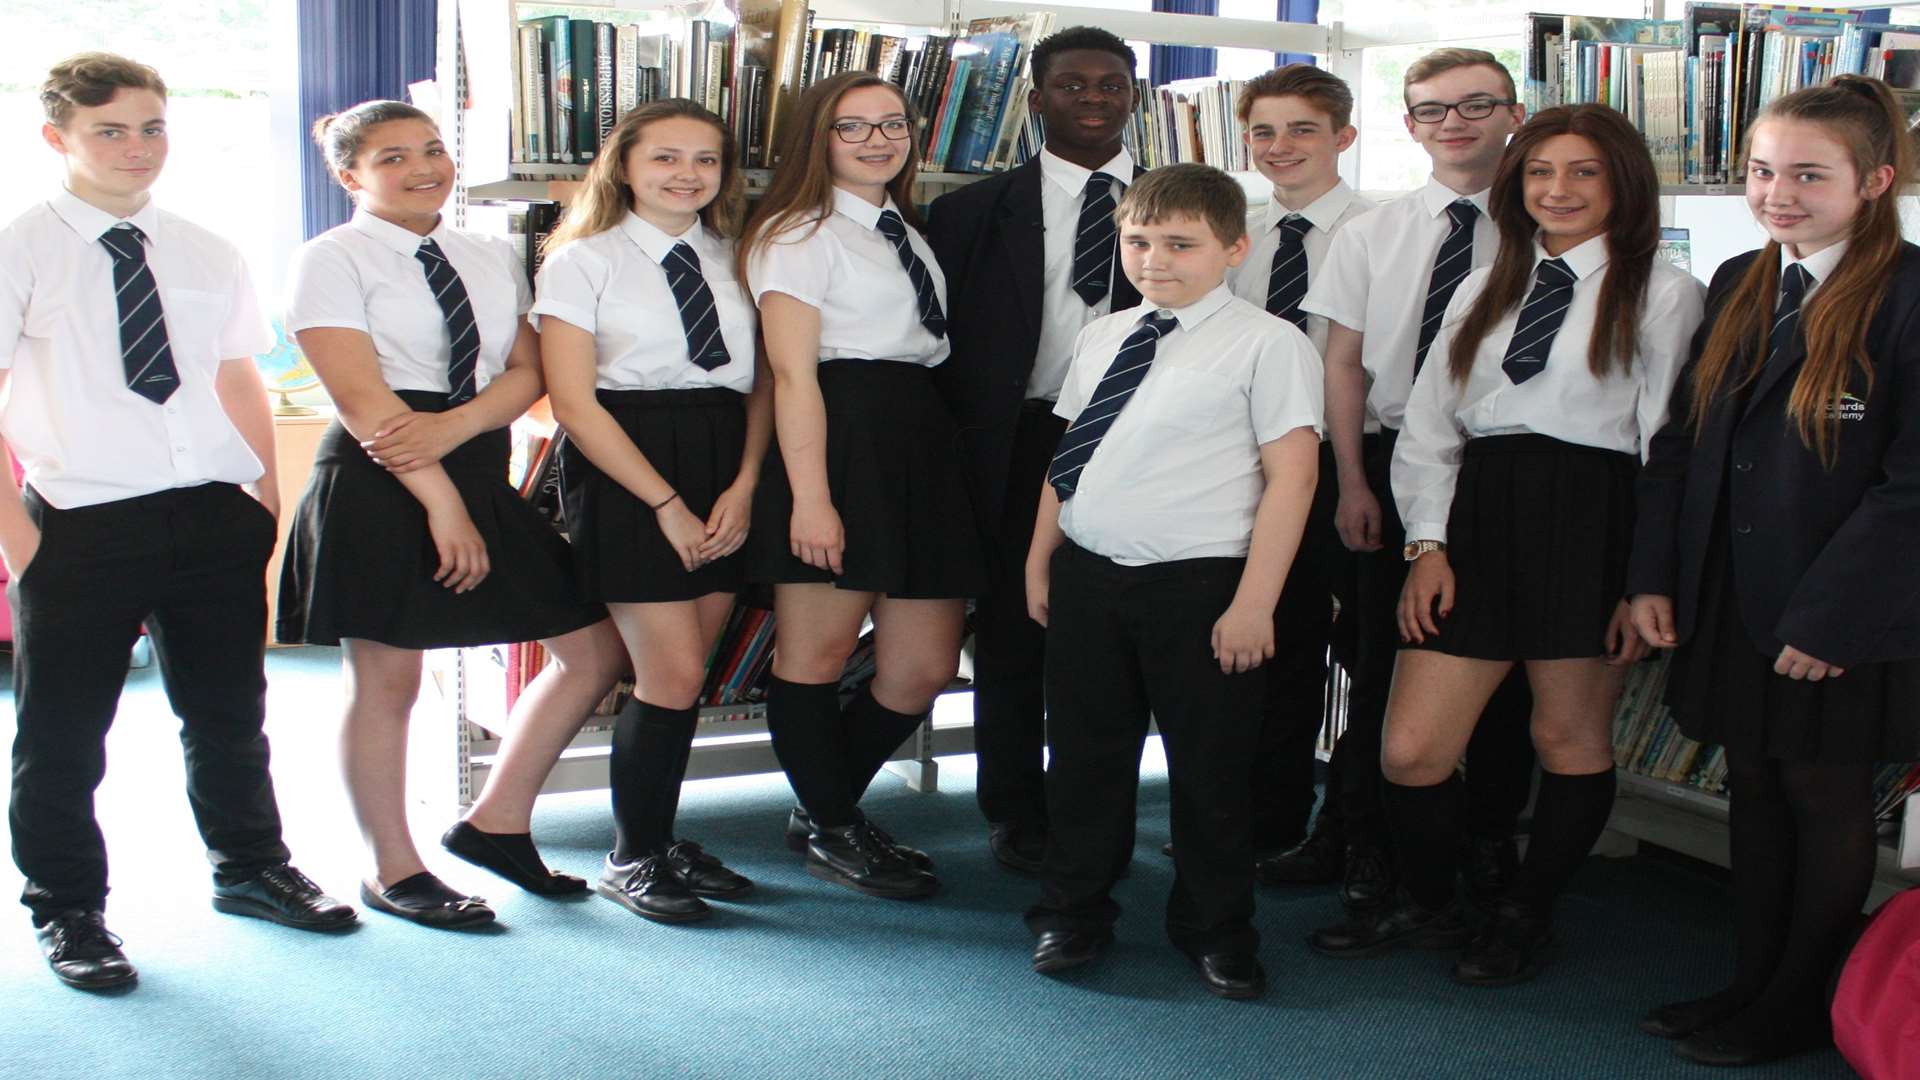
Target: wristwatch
1417	548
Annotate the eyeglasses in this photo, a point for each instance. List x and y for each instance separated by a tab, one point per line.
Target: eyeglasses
1478	108
858	131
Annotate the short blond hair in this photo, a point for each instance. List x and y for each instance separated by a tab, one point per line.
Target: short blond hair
88	79
1440	61
1187	190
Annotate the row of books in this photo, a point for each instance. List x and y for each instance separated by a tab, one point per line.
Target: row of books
576	78
1648	742
524	660
1694	84
742	657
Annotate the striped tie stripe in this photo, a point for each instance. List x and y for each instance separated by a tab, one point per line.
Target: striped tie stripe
1115	389
1786	319
1095	240
895	230
1287	280
146	356
463	336
1451	264
1539	322
706	349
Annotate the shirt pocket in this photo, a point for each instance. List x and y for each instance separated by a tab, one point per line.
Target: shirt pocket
195	319
1186	401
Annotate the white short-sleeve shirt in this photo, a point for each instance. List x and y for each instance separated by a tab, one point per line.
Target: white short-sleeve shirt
1178	475
364	276
1328	214
613	286
82	436
1063	314
1375	281
1620	412
852	274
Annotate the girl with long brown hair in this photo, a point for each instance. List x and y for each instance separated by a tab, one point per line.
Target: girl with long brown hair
648	346
1514	474
861	505
1777	513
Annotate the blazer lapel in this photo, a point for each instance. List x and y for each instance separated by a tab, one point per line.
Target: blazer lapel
1778	368
1022	232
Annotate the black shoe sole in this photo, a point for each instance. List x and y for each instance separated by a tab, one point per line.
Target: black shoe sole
829	874
1058	964
1653	1025
1525	974
254	909
465	920
621	898
115	982
1429	943
721	894
1235	993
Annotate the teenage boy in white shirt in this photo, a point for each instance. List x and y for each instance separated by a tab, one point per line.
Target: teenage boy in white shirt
127	338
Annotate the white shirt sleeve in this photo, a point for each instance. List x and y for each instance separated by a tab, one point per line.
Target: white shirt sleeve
247	333
1339	289
570	286
323	289
516	269
16	292
1666	335
1426	459
798	262
1288	387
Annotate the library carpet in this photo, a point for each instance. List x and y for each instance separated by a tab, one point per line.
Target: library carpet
801	980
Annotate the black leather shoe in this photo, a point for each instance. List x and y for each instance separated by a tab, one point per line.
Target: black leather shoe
1058	950
1717	1047
705	874
427	900
800	833
512	856
1401	923
651	888
1679	1019
284	895
1367	879
859	857
1167	849
1234	975
1487	867
1508	950
1317	860
1021	849
83	953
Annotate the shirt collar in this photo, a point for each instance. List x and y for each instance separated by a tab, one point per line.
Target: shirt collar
1820	264
91	222
1322	213
1585	259
863	213
1072	179
654	241
403	241
1436	196
1191	316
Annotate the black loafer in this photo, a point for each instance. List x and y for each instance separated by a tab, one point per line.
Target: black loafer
286	896
1679	1019
1724	1050
800	833
859	857
1318	860
705	874
1237	976
1507	952
512	856
1021	849
427	900
651	888
1487	869
1058	950
1402	923
83	953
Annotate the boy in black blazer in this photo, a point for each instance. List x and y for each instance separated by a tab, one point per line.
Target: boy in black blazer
1029	257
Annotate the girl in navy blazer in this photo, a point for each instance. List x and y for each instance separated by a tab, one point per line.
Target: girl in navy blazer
1774	514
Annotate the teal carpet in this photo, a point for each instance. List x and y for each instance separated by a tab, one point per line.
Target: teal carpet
802	980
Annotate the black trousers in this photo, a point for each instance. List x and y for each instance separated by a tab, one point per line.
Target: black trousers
190	564
1297	675
1009	649
1500	754
1126	644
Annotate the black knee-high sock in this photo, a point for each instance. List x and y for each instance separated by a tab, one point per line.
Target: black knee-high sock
1567	818
803	720
873	733
1426	823
648	760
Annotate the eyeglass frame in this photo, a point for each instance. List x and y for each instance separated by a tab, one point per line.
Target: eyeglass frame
1460	107
841	127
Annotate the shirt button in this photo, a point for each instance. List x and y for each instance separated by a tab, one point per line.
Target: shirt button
179	449
1743	528
1743	466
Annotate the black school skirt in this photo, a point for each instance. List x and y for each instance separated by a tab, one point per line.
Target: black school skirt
893	471
694	439
1538	538
360	560
1722	689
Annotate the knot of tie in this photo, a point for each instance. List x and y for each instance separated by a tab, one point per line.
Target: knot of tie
1554	274
126	242
1462	212
1295	226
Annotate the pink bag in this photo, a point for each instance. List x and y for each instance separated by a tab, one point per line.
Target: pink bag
1876	1008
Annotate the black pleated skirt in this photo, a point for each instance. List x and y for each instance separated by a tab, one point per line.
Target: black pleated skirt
893	471
694	439
360	560
1722	689
1538	538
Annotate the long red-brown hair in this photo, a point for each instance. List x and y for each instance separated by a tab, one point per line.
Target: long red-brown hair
1633	236
1861	115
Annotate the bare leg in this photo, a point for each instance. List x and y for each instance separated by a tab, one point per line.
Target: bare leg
382	682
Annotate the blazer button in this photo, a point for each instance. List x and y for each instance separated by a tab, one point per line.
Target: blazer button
1743	466
1743	528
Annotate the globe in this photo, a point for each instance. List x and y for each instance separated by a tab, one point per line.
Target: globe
286	371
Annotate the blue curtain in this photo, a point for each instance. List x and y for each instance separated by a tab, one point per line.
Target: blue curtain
1296	11
1166	63
353	51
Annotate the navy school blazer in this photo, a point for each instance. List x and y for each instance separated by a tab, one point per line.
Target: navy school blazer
1824	559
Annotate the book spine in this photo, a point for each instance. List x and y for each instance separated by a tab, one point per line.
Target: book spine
604	56
586	109
626	70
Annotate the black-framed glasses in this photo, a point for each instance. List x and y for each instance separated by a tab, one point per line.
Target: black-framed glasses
858	131
1476	108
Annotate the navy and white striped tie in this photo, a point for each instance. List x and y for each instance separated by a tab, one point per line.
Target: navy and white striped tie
1116	387
931	317
1540	319
1094	242
705	347
1451	263
144	350
1786	314
463	336
1287	281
